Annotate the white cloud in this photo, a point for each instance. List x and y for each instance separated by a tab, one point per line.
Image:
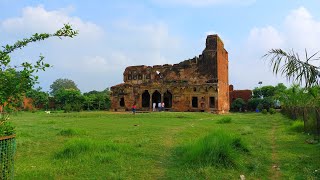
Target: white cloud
92	59
101	64
265	38
298	31
203	3
38	19
302	30
155	35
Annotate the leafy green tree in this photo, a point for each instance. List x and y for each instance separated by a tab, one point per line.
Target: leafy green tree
62	84
253	103
88	100
69	99
17	79
296	96
279	88
264	91
267	103
39	98
101	99
238	104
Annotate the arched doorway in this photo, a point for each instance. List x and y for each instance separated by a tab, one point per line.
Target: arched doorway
122	103
156	98
167	99
145	99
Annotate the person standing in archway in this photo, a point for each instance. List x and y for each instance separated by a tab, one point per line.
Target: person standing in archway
162	106
134	108
154	106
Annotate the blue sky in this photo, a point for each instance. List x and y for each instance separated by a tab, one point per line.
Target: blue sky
116	34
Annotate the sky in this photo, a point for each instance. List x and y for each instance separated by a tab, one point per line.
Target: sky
117	34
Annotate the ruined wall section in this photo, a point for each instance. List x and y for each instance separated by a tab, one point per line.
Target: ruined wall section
223	77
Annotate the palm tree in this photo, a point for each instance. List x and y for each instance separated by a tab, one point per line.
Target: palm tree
293	68
290	65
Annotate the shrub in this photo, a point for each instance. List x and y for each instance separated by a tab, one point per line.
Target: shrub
267	102
224	120
260	107
215	149
77	107
264	111
253	103
67	108
297	126
272	111
238	105
6	129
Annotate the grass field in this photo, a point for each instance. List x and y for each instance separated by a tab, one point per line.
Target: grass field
105	145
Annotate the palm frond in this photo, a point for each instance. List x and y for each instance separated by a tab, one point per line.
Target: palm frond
293	68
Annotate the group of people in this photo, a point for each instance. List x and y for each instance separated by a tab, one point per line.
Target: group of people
160	106
154	108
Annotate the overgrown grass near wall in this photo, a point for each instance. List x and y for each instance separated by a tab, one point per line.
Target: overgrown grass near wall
162	145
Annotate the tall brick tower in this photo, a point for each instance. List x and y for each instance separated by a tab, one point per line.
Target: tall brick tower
215	64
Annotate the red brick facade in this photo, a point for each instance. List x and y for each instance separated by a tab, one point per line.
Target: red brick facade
27	104
197	84
243	94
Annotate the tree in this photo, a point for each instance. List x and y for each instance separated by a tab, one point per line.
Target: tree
280	88
98	99
238	104
39	98
15	79
293	68
62	84
69	99
88	100
253	103
264	91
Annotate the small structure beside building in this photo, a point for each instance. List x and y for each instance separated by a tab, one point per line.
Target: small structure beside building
243	94
197	84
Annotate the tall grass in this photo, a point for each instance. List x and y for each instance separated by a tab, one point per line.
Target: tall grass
297	126
101	150
74	148
224	120
215	149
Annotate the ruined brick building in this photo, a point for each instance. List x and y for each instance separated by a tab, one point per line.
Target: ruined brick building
198	84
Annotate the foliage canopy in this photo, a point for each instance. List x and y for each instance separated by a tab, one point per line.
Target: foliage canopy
62	84
17	79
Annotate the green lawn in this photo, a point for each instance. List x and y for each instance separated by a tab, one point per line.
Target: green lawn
104	145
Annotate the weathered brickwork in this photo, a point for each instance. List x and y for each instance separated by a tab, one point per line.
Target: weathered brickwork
198	84
27	104
243	94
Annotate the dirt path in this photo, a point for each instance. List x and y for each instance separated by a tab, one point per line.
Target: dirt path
275	168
